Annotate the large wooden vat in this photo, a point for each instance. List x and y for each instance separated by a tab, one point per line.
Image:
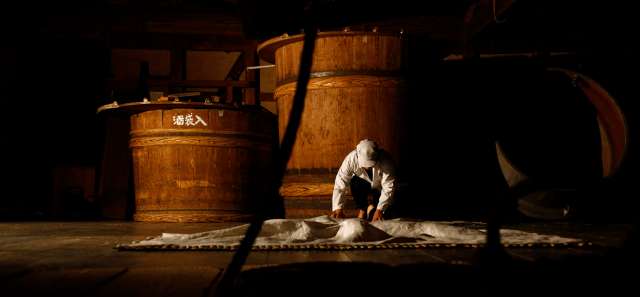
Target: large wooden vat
558	155
356	91
199	162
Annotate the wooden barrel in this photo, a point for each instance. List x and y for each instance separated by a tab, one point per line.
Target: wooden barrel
554	162
200	163
356	91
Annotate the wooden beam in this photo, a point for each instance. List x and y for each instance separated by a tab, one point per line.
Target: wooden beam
145	21
437	27
186	83
458	57
168	41
203	83
237	68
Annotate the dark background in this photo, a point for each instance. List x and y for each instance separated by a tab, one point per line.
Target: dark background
55	63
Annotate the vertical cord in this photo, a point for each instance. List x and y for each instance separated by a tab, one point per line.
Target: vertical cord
495	16
230	274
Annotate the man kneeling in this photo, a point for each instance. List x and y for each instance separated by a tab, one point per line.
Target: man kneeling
369	172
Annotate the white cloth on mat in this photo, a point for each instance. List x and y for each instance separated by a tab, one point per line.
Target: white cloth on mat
326	230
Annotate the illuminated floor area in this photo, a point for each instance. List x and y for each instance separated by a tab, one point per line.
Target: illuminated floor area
78	259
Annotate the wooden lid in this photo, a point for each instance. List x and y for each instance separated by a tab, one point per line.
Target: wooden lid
135	107
267	49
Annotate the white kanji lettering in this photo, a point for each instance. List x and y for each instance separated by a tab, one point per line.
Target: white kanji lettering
200	120
188	120
178	120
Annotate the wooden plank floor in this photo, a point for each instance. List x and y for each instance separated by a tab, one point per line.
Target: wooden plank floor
78	258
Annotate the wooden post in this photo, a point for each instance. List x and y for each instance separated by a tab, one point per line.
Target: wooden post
229	98
252	95
178	66
143	81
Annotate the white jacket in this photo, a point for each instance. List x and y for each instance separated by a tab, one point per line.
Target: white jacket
383	179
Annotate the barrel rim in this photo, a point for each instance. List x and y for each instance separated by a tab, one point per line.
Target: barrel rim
267	49
508	167
193	216
330	82
612	104
195	132
326	74
137	107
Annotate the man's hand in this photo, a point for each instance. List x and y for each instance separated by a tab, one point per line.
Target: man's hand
338	214
377	216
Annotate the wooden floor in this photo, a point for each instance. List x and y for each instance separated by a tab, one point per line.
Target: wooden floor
78	258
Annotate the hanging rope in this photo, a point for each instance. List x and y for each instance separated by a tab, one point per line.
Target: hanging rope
225	286
495	16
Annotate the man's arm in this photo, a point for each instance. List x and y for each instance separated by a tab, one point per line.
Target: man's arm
343	177
388	187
